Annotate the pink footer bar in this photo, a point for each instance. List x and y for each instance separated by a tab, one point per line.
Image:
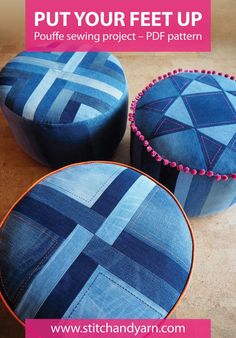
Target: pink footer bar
71	328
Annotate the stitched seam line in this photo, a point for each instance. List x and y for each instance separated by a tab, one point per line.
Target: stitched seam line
122	287
43	232
207	94
211	161
180	88
44	258
78	196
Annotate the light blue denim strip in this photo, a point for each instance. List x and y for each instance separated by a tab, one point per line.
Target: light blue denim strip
107	296
84	80
86	113
114	60
182	187
38	62
74	61
58	106
38	94
52	272
84	183
225	83
125	209
4	91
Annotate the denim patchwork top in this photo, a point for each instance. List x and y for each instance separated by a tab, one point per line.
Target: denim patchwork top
60	88
96	240
189	118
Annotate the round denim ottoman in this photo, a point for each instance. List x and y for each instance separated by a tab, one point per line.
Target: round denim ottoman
95	240
184	135
65	107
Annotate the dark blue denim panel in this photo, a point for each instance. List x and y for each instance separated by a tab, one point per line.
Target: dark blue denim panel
152	259
48	217
114	193
25	247
68	287
69	207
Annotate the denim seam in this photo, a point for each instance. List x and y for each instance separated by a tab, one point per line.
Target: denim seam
142	210
207	152
122	287
78	196
149	105
43	259
168	130
177	84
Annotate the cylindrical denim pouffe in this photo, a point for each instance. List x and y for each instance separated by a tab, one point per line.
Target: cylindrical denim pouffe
184	135
95	240
65	107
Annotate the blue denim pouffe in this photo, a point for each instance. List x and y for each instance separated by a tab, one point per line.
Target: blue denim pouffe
184	135
65	107
95	240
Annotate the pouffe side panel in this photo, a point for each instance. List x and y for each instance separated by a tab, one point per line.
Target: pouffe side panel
59	145
199	195
108	132
206	196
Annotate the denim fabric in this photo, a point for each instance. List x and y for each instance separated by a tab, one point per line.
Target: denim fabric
73	107
95	241
127	302
25	247
190	119
199	195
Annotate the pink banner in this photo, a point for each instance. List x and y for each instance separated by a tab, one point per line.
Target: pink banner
133	25
71	328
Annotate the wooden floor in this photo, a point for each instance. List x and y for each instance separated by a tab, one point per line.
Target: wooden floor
212	291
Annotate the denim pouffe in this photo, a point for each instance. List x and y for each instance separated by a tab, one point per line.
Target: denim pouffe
184	135
65	107
95	240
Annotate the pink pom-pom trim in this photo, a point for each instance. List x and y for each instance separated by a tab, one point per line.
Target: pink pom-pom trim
202	172
186	170
153	153
180	167
194	172
158	158
166	162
